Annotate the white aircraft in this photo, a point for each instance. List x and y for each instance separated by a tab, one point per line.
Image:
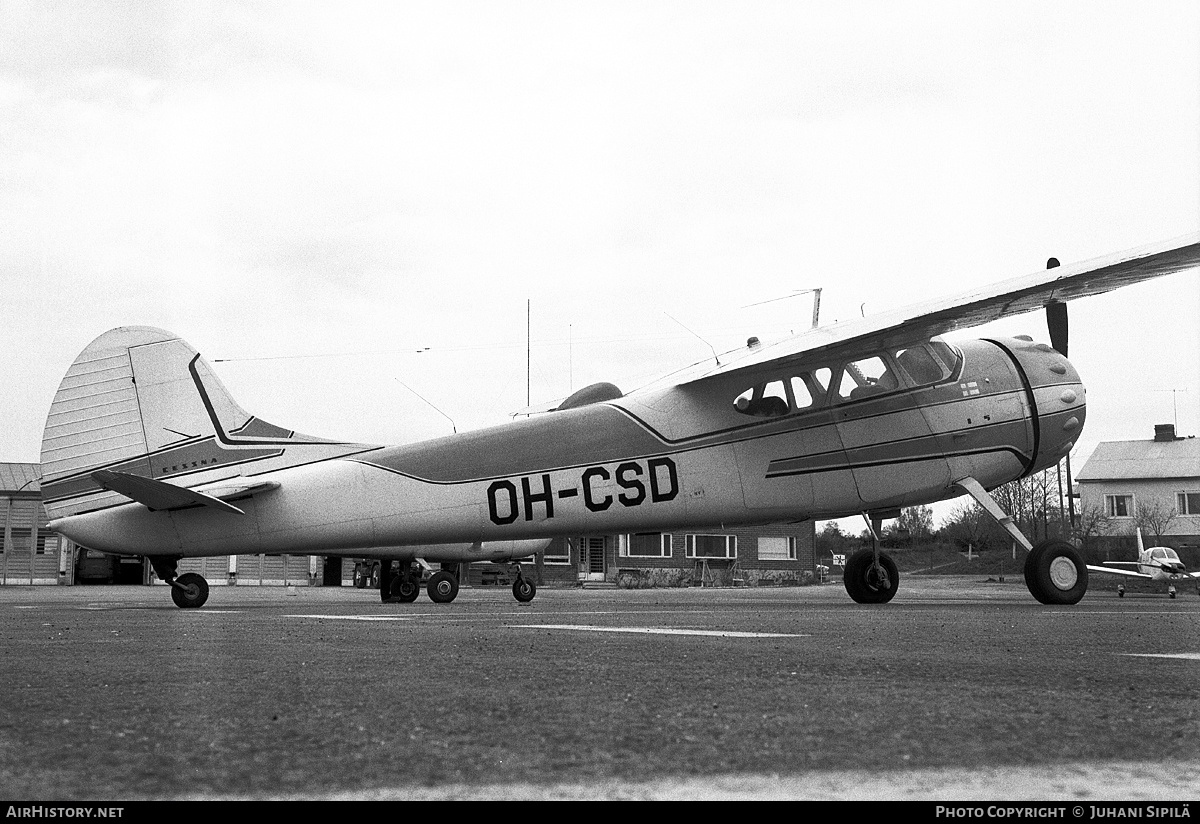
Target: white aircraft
1158	563
145	452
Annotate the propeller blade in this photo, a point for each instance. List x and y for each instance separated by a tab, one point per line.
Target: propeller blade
1056	319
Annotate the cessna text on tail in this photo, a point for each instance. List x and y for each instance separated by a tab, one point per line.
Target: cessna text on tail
146	453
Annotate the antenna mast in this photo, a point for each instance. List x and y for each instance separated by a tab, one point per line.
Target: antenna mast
527	348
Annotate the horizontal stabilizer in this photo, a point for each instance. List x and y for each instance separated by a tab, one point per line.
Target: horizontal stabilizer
157	494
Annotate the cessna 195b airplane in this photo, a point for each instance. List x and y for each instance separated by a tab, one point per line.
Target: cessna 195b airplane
145	452
1158	563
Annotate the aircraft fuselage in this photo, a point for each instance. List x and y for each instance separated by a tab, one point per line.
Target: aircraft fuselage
684	457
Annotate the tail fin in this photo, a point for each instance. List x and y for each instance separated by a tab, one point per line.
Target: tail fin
1141	547
142	401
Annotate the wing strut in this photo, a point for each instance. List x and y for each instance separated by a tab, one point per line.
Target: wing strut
975	489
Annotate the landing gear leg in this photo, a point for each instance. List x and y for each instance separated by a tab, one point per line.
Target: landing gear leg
1054	570
385	581
189	590
523	588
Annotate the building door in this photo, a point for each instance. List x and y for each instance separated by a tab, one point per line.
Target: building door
331	572
591	558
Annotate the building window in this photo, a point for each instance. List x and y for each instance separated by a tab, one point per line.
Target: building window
777	549
647	545
559	552
1188	503
1118	506
711	546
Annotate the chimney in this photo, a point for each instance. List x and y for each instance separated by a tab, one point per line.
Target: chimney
1164	432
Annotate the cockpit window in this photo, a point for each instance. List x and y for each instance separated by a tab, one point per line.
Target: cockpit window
919	364
866	377
947	354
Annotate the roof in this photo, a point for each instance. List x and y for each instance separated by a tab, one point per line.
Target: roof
1144	460
19	477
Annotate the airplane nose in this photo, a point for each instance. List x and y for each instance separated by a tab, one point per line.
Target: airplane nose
1059	398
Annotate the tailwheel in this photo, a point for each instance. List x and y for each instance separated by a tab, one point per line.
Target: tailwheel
189	590
1055	573
524	589
868	581
442	587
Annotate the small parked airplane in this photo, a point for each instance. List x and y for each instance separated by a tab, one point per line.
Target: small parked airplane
145	452
1158	563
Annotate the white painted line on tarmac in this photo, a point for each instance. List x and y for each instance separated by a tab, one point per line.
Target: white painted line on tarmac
355	617
1187	656
156	608
716	633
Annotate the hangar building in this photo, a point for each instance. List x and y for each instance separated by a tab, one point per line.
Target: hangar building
30	552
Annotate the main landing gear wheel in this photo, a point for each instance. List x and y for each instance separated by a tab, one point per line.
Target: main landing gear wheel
524	590
189	590
1055	573
868	582
442	587
406	587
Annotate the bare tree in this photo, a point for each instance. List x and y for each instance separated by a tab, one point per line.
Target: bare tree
1154	517
917	521
1091	522
969	525
1034	505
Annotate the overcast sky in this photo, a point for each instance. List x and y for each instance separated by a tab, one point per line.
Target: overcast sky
351	204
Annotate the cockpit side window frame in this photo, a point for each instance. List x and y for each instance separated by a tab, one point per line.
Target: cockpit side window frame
939	348
889	369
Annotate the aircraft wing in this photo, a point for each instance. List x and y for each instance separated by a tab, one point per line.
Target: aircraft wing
921	321
1128	573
